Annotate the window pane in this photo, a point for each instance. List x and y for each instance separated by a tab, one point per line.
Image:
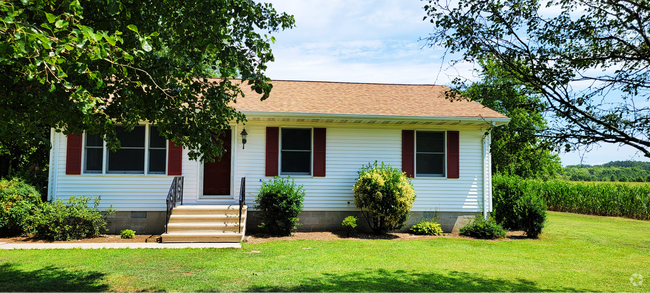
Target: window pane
156	140
93	140
134	138
126	160
296	139
430	141
94	159
157	161
430	164
296	162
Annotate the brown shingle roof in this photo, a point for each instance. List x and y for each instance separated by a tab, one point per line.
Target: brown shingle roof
361	99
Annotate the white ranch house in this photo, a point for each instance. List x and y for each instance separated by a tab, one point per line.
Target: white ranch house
319	133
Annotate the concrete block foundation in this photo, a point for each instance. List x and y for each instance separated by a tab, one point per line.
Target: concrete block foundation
310	221
314	221
140	222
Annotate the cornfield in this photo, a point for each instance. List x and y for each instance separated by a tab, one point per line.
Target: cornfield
615	199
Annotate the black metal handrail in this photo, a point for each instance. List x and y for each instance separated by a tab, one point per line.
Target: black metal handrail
242	198
174	195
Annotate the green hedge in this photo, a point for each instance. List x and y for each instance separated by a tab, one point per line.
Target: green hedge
603	199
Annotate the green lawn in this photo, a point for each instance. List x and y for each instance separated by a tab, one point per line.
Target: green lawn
575	253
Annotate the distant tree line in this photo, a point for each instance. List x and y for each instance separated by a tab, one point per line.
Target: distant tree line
621	171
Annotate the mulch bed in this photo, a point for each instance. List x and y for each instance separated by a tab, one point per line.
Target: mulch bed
260	238
331	236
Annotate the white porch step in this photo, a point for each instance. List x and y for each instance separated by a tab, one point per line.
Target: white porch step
208	209
206	223
202	237
216	218
203	227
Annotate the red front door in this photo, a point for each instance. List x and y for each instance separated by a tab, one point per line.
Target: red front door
216	175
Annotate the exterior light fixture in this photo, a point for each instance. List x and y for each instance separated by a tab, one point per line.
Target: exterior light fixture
244	136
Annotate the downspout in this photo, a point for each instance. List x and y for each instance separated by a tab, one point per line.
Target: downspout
485	179
487	173
52	167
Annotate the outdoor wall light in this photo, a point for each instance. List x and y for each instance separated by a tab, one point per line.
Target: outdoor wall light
244	136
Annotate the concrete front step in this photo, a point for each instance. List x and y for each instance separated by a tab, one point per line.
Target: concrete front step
206	223
219	218
203	227
208	209
202	237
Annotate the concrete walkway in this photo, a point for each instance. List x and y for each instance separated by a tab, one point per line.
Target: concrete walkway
11	246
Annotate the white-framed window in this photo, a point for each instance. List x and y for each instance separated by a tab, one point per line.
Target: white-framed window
430	153
295	151
143	151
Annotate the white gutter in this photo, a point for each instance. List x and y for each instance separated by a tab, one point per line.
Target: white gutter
487	174
297	115
52	168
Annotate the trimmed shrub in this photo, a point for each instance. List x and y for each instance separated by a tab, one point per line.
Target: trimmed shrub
280	203
350	224
74	219
127	234
385	196
483	229
532	215
425	227
518	205
18	201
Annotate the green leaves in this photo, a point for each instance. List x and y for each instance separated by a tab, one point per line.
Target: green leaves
64	63
588	61
133	28
50	17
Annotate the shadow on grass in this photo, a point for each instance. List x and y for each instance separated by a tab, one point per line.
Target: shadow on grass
410	281
13	278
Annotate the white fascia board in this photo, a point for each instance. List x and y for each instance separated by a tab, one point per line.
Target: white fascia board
298	115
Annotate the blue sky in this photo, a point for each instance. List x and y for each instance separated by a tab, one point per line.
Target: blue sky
377	41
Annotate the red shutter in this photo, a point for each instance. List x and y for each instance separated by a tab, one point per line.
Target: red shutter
272	147
175	160
408	152
73	155
453	158
319	152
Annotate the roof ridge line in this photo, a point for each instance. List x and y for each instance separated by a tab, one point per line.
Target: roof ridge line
357	82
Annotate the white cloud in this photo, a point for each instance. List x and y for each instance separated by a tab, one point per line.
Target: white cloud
376	42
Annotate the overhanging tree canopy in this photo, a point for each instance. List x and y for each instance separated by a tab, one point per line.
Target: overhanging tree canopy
89	65
590	61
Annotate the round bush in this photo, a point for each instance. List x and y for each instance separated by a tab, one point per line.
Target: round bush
483	229
385	196
18	201
280	203
425	227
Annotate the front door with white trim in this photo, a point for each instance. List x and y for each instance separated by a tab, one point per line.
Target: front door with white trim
216	175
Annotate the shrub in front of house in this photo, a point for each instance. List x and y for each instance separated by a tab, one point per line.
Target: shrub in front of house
425	227
127	234
385	196
483	229
532	215
74	219
18	201
279	203
350	224
518	204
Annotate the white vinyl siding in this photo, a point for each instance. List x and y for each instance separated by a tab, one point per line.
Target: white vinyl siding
127	192
349	146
